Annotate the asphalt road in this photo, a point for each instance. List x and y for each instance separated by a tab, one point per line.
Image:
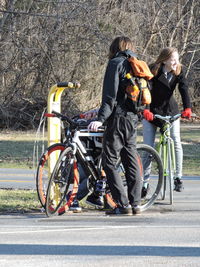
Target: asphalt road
17	178
164	235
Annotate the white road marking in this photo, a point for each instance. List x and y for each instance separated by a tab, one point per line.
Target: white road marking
97	228
17	181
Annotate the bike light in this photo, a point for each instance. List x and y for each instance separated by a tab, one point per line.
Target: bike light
49	115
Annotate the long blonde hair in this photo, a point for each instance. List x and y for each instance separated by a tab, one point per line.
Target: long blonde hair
165	54
120	44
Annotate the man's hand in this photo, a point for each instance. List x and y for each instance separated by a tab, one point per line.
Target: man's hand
94	125
148	115
186	113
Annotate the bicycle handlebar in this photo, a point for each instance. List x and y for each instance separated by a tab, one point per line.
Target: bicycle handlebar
167	118
172	118
74	122
69	84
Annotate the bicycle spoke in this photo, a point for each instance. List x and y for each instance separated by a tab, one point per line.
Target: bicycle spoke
61	183
152	175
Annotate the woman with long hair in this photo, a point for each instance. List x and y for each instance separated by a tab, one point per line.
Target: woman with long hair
168	74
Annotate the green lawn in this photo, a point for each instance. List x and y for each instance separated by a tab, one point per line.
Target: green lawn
17	149
18	201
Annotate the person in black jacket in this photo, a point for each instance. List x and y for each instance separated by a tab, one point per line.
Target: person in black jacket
168	73
120	117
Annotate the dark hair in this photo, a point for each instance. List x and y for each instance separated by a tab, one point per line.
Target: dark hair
120	44
165	54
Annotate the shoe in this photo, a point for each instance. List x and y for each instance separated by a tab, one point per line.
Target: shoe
178	185
145	190
75	206
125	211
96	201
136	210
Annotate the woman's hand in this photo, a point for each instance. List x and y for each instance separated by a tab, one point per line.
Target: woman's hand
94	125
187	113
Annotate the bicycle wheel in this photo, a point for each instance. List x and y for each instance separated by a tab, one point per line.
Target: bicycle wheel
152	173
63	184
147	158
44	172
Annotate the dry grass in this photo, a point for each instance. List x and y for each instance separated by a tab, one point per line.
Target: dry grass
18	201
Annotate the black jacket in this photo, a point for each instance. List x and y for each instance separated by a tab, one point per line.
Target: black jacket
163	101
114	85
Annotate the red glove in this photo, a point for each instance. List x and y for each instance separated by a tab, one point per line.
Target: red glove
186	113
148	115
81	116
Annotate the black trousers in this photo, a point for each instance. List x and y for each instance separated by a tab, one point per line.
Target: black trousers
120	141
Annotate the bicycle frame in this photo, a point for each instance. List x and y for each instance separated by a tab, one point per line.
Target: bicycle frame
168	144
82	155
167	152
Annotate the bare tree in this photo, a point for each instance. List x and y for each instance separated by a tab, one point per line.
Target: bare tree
47	41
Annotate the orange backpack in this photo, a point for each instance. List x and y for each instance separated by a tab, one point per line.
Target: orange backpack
138	90
140	68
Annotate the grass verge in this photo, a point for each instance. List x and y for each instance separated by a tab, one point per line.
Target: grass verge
24	201
18	201
17	148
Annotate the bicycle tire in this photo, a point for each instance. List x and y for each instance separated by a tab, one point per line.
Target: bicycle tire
43	173
63	184
155	179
